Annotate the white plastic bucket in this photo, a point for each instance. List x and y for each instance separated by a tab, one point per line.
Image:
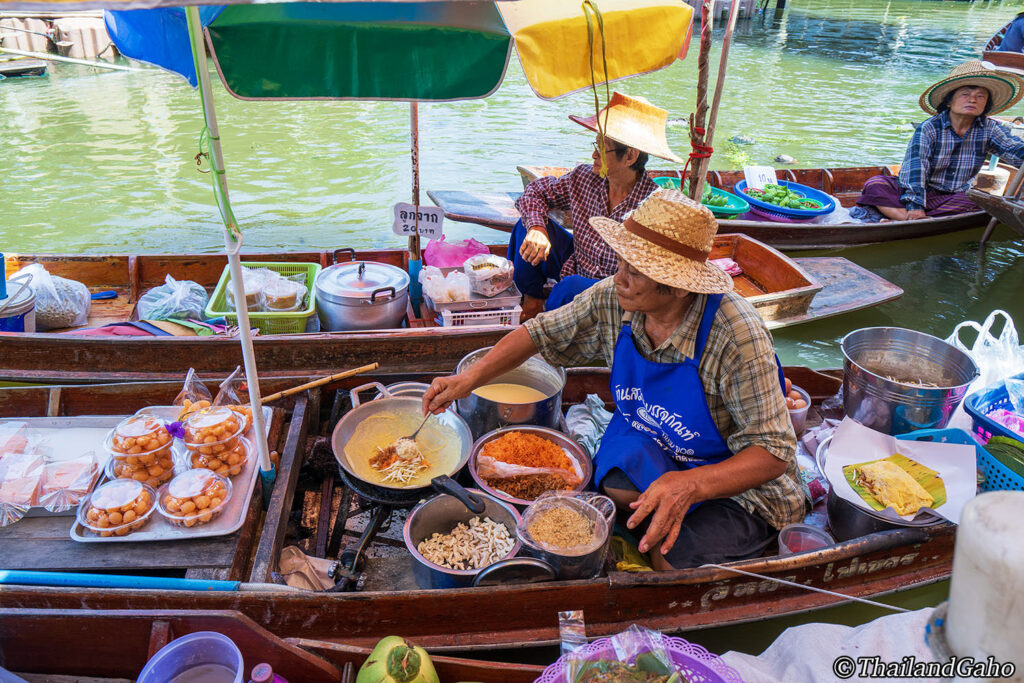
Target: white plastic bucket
19	314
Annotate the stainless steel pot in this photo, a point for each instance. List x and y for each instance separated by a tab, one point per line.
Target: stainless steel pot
388	404
361	295
872	355
440	515
484	415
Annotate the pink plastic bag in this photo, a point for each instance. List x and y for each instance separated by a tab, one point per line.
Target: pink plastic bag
452	254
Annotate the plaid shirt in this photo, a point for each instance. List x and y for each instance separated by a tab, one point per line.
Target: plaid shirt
741	383
584	194
940	160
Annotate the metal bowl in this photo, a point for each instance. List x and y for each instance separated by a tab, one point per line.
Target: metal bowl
847	520
441	514
560	439
895	406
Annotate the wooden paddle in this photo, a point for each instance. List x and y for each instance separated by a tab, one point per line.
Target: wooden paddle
318	382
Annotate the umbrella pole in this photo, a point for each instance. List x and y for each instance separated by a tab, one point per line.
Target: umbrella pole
704	161
697	118
232	244
415	259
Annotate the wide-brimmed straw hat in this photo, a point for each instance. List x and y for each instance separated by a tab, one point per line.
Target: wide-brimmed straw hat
1005	90
634	122
668	238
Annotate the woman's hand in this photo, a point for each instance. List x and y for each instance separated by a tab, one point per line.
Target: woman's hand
915	215
443	390
669	497
536	246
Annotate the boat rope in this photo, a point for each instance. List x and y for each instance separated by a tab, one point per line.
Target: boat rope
865	601
700	150
592	14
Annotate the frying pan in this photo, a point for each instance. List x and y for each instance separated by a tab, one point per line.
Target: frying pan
399	404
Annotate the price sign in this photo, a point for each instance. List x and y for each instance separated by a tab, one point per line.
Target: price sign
759	176
427	219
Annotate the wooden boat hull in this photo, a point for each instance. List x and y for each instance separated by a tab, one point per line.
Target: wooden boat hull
677	601
782	290
1004	209
496	210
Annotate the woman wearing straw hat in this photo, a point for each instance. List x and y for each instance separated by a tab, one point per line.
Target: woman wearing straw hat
612	186
700	447
948	149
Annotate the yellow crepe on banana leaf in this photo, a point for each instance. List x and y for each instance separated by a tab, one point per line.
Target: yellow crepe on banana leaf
928	479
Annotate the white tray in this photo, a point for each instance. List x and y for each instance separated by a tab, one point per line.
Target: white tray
158	528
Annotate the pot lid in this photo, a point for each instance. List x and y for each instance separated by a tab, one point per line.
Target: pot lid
360	279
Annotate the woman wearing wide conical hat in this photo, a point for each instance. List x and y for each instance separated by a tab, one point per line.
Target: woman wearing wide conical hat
541	249
700	451
948	149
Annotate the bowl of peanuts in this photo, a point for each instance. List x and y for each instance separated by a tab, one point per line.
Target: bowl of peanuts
140	449
213	437
117	508
193	497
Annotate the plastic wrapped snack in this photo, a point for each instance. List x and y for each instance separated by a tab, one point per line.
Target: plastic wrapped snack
66	482
445	288
140	449
174	300
233	394
193	395
13	437
637	655
21	475
117	508
194	497
213	439
285	294
488	274
60	302
568	533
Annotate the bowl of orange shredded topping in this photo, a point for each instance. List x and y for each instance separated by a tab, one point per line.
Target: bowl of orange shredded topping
518	464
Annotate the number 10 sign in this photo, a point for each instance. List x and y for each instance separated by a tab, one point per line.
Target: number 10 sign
428	220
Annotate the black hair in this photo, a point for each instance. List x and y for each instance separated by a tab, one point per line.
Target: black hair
641	160
947	101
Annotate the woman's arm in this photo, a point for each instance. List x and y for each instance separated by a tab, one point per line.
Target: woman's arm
914	171
1005	144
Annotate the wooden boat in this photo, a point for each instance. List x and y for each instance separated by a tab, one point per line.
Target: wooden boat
1003	60
117	644
1007	210
15	67
683	601
496	210
781	289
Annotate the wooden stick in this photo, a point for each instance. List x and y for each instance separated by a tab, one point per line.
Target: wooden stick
318	382
697	118
703	164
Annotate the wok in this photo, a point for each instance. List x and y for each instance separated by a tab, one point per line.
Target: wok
399	404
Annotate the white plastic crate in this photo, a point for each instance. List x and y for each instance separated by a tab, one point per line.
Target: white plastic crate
494	316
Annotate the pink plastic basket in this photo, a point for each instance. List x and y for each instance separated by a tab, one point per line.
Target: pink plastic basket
777	217
695	663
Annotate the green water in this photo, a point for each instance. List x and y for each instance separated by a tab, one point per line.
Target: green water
98	162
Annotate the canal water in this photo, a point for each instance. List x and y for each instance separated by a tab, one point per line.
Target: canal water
97	161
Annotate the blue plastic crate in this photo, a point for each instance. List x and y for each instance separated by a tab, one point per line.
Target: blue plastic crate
979	404
997	476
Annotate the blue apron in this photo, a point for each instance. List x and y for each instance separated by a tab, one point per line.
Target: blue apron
662	422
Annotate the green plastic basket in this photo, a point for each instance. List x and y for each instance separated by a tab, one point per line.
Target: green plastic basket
736	205
291	322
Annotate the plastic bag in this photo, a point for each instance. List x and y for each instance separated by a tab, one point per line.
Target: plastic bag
488	274
59	302
443	288
587	421
635	655
997	357
551	500
65	483
20	479
13	436
174	300
444	254
231	395
193	396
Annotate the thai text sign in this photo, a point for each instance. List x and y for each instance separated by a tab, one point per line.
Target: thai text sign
423	220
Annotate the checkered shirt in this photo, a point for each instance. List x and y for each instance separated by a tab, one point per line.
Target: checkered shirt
584	194
938	159
741	382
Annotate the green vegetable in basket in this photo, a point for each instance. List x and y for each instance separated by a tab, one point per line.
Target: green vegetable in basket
1009	452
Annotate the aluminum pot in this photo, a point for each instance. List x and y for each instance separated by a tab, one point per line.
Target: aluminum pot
873	354
440	515
483	415
361	295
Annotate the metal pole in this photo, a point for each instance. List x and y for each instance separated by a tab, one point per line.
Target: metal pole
702	164
232	244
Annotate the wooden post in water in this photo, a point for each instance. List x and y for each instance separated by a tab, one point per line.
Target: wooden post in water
698	116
